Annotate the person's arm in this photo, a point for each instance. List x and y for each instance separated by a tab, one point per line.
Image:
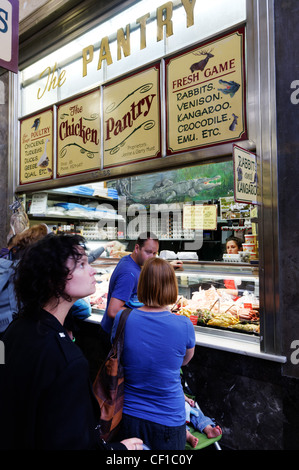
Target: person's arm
190	342
121	292
115	305
177	264
133	443
188	356
93	255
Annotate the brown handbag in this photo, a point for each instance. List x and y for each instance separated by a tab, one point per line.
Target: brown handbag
108	386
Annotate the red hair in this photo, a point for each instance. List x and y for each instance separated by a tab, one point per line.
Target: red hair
157	284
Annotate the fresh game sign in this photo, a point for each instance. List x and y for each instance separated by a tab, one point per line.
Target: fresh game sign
205	89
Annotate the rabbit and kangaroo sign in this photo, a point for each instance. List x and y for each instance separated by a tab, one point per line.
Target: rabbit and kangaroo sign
206	99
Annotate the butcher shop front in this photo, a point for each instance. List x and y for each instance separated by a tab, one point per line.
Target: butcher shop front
162	119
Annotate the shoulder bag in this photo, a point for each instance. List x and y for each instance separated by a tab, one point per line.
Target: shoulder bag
108	386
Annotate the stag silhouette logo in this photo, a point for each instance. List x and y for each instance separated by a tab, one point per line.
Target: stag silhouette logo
202	63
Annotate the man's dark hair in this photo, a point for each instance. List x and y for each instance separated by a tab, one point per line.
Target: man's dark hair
145	236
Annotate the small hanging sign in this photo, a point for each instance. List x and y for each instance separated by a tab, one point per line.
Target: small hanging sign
245	175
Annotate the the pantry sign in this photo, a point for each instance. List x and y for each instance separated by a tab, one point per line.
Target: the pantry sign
205	90
9	34
131	119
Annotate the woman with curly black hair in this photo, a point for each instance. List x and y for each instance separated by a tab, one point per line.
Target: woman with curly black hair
46	399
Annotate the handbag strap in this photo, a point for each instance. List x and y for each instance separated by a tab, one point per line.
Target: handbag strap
121	323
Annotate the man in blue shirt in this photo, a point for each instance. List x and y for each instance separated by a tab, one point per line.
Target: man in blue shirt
122	291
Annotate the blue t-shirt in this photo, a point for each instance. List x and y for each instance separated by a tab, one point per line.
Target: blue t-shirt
123	286
155	345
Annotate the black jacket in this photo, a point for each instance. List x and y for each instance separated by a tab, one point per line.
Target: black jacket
46	398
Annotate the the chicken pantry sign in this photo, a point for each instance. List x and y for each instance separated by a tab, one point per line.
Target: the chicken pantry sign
9	34
79	134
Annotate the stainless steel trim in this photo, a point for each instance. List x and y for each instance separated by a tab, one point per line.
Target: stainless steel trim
13	140
262	59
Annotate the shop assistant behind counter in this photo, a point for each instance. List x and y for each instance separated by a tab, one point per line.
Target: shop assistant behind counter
232	287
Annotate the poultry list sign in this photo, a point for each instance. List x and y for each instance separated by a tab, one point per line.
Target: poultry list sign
36	147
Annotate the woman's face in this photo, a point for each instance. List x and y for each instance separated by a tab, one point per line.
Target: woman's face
232	247
81	282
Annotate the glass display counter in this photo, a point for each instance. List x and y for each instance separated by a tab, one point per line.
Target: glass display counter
214	295
220	295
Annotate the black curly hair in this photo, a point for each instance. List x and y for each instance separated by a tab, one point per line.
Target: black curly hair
42	274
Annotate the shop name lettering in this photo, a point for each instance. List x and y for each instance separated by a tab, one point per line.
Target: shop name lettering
141	108
164	23
52	81
78	129
164	15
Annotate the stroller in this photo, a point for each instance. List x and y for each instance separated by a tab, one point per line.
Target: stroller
193	420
